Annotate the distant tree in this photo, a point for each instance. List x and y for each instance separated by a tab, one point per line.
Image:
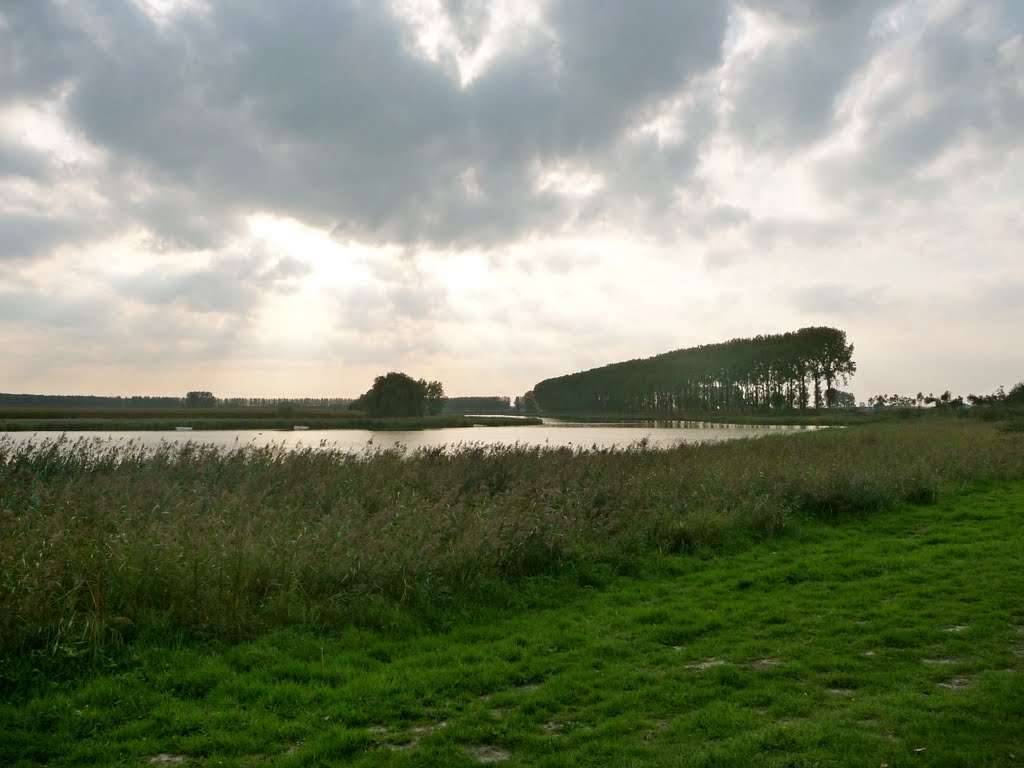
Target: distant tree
479	404
840	399
1016	395
200	399
527	403
996	398
835	398
398	394
434	397
946	400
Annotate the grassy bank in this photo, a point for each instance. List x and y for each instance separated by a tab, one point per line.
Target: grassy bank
102	545
825	417
895	638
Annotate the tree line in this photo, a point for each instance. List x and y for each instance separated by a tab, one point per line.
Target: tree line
796	370
195	399
1015	397
480	404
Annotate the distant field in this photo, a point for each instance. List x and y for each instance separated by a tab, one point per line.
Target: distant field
30	419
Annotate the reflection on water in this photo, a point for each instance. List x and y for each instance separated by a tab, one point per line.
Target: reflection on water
552	433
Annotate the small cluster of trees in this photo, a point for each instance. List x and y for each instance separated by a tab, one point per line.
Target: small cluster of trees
200	399
782	371
904	401
481	404
204	399
948	400
1015	397
398	394
294	402
526	403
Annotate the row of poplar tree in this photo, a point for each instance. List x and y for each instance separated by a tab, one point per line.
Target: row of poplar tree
796	370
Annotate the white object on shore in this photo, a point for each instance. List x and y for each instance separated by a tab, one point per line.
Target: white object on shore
299	426
183	429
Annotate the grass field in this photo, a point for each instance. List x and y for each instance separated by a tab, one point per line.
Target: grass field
768	602
895	638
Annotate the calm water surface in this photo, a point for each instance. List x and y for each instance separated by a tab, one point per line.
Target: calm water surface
551	433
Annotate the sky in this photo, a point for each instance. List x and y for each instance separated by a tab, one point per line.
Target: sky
266	199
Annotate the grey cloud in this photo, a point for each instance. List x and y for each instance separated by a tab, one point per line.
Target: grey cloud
953	86
814	12
416	302
39	47
37	309
92	328
401	299
469	18
322	113
25	237
616	58
788	94
18	161
233	285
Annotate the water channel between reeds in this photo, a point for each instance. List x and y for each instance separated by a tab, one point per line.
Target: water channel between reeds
552	433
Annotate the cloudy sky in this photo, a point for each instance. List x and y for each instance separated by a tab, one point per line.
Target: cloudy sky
289	198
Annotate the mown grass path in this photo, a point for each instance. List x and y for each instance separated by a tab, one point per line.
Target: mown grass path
893	639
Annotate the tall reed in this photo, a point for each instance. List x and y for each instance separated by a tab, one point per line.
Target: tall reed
100	542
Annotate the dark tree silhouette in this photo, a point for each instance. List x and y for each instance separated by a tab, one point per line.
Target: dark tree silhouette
398	394
783	371
200	399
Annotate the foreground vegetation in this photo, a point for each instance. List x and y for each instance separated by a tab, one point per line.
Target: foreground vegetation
895	638
102	544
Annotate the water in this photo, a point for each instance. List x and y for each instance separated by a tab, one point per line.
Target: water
552	432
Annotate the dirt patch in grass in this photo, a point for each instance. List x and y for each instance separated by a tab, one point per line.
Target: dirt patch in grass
956	684
766	663
700	666
487	754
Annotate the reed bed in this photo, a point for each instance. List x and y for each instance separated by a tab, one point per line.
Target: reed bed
102	543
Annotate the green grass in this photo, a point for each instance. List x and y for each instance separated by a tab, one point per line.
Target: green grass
891	638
